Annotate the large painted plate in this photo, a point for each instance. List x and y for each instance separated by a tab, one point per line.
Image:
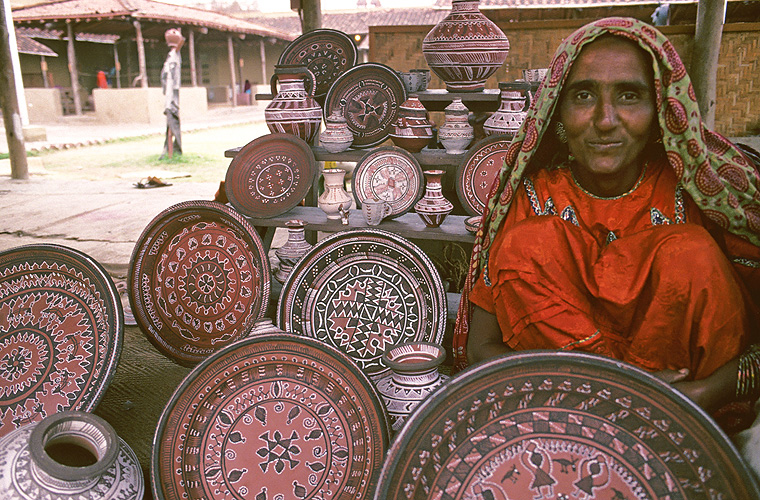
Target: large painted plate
270	175
391	174
199	279
272	416
369	96
327	53
480	167
562	425
61	331
362	292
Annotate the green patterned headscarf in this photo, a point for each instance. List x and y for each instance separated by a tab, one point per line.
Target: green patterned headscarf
719	178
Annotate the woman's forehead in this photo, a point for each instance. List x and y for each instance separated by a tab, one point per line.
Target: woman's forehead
611	58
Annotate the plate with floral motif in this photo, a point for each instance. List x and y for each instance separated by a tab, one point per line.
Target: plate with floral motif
274	416
479	169
562	425
391	174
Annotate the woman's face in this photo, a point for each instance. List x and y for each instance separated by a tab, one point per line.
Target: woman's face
608	111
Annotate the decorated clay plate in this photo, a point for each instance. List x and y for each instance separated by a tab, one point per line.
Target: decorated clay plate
481	166
327	53
270	175
61	330
274	416
199	279
363	292
369	96
562	425
391	174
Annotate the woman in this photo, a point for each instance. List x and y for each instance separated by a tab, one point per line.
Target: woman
620	225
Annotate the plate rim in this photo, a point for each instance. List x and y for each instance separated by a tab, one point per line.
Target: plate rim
146	237
250	148
462	169
328	108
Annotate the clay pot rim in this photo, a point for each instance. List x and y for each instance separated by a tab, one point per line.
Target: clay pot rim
415	366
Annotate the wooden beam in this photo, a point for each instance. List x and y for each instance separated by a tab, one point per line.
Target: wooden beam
191	49
141	55
44	70
263	53
311	15
233	82
116	66
73	70
14	131
704	61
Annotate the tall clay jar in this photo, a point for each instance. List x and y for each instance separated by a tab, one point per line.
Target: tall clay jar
513	108
68	456
413	377
335	199
293	249
456	133
412	130
293	109
465	48
433	207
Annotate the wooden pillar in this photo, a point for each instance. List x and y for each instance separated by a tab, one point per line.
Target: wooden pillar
141	54
44	70
191	49
14	131
311	18
117	66
263	52
704	61
231	54
73	71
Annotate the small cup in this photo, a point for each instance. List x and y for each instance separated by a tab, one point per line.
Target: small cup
421	78
375	211
409	81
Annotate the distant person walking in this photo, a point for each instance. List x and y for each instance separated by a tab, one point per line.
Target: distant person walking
171	74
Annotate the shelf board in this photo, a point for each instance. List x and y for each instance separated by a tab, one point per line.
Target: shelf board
426	157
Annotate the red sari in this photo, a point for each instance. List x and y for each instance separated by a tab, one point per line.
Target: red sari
636	277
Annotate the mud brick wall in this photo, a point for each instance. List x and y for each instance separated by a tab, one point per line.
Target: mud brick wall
532	45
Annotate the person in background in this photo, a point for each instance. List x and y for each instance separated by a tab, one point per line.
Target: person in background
171	77
102	80
620	225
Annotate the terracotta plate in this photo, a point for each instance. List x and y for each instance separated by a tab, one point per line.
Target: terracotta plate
270	175
369	95
479	169
199	279
327	53
391	174
362	292
61	330
272	416
562	426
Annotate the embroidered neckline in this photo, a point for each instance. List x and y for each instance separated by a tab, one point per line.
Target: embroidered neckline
635	186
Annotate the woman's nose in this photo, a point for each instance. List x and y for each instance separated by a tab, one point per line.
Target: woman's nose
605	115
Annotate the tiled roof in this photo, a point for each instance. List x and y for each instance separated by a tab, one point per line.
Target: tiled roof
125	11
43	34
533	4
28	46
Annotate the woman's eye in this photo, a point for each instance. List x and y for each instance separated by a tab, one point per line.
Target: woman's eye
583	96
629	96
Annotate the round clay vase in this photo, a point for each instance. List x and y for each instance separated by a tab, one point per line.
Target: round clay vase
69	455
293	110
433	207
413	377
335	199
264	326
336	137
465	48
412	130
456	133
513	108
293	249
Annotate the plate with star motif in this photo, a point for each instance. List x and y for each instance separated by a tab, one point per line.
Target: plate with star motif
270	175
562	425
369	96
364	291
275	416
199	279
61	333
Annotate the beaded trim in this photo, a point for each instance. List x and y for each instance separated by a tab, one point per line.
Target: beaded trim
581	341
635	186
748	376
754	264
535	203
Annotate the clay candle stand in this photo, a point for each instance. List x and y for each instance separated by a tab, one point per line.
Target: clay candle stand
433	207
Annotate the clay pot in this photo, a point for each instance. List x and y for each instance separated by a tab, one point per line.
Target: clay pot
293	249
68	455
413	377
412	130
456	133
433	207
335	200
465	48
513	108
336	137
293	110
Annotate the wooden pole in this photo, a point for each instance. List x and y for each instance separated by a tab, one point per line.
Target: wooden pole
191	49
14	131
263	53
44	70
704	61
311	15
231	54
141	54
117	66
73	70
